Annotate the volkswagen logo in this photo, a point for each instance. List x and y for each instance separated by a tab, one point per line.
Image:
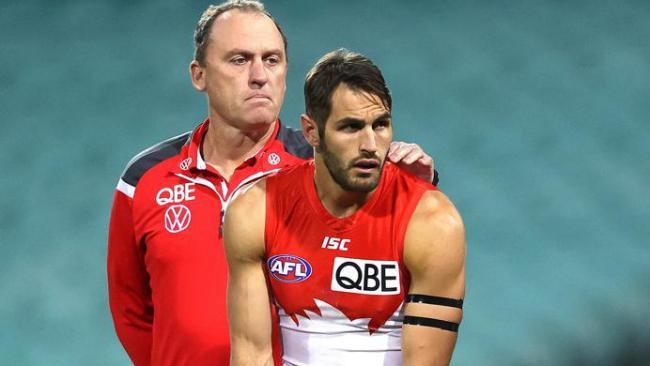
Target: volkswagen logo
177	218
274	159
185	164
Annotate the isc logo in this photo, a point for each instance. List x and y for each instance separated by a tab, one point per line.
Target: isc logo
288	268
368	277
335	243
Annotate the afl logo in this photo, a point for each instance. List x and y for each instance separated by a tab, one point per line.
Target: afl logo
177	218
185	164
289	268
274	159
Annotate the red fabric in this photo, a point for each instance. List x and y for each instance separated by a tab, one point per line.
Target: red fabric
128	285
167	290
297	225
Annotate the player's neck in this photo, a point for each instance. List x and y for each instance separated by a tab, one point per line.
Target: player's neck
336	200
225	147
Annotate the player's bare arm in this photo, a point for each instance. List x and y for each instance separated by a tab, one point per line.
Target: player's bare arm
434	253
248	300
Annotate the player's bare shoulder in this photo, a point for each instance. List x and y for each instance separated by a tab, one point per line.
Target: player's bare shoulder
435	236
243	227
437	210
250	196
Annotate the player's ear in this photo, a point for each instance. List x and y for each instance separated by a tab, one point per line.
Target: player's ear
197	75
310	130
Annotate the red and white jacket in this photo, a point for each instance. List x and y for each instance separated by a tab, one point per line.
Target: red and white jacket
167	271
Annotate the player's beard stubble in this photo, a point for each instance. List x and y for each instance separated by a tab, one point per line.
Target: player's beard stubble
344	174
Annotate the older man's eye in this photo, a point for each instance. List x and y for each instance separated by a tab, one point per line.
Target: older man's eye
238	60
273	60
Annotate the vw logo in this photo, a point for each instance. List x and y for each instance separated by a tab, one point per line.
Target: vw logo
177	218
185	164
274	159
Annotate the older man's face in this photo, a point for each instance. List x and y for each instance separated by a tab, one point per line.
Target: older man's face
245	69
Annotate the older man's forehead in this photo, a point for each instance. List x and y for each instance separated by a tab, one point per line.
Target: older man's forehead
236	23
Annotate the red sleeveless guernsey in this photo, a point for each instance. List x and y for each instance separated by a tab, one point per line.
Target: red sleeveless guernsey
339	282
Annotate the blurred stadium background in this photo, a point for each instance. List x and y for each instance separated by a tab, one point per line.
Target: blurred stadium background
537	113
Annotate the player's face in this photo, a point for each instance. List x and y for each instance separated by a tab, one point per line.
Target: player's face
245	69
357	135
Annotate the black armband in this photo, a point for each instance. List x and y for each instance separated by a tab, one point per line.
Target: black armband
430	322
434	300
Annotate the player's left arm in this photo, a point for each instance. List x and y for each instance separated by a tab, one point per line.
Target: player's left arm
434	253
414	160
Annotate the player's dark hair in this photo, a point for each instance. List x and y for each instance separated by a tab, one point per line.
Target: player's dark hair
341	67
204	26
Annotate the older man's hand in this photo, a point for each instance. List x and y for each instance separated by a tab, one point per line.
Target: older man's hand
412	158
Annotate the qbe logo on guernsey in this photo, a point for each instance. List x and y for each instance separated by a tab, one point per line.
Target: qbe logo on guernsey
361	276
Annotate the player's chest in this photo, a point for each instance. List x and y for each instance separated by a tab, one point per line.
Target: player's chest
356	274
316	259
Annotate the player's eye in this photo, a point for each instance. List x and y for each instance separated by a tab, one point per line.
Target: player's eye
350	127
382	123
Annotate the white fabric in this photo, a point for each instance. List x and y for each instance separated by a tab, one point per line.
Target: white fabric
125	188
333	339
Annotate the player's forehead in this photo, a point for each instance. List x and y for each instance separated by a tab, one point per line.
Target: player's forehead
354	103
247	30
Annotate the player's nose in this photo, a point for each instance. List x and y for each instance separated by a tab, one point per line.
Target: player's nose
368	140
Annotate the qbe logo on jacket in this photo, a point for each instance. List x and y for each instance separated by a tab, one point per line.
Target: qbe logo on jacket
361	276
289	268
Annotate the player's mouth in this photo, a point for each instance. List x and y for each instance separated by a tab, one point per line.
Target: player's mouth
366	165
